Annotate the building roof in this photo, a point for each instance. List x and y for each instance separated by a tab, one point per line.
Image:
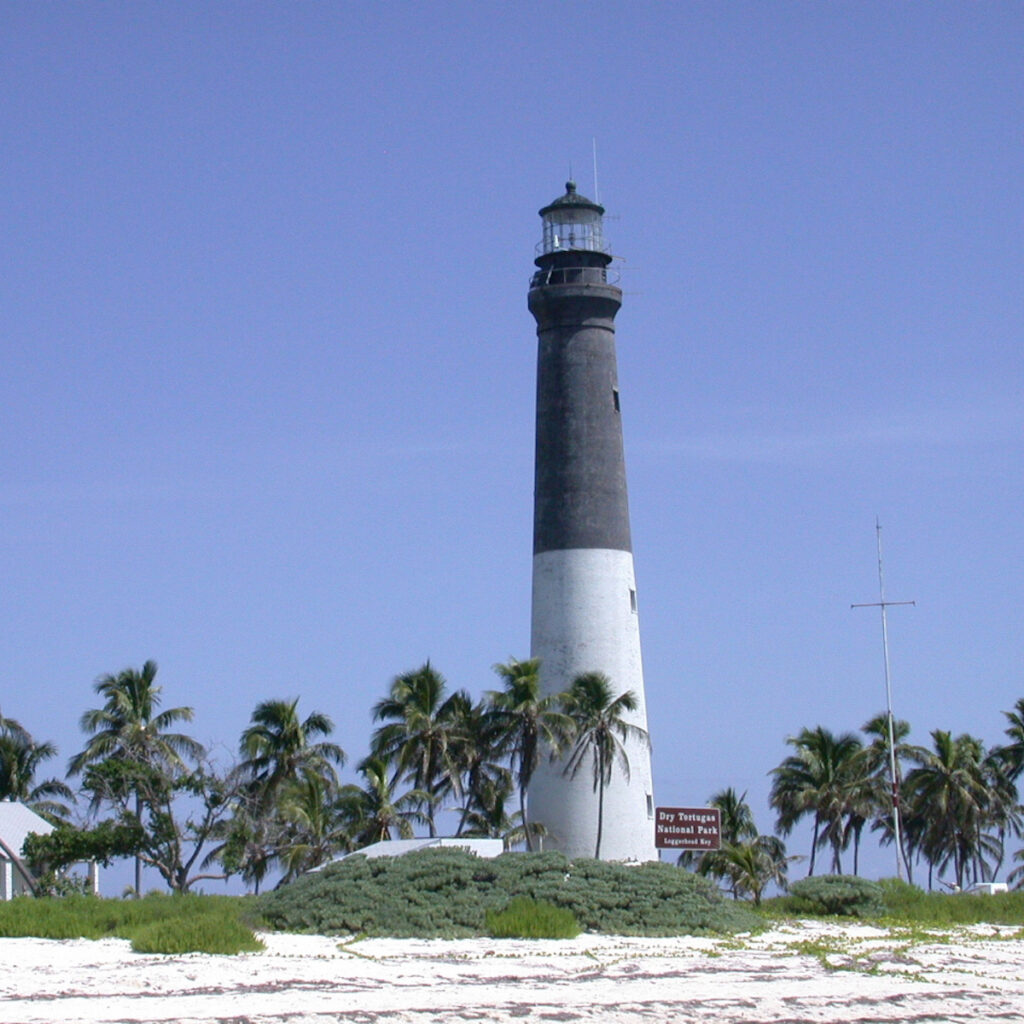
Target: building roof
400	847
17	822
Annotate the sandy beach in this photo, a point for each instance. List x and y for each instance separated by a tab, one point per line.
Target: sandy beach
795	972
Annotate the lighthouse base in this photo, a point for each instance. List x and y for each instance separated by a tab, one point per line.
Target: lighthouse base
585	620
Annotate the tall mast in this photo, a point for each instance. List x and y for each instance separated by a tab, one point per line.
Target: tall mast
883	604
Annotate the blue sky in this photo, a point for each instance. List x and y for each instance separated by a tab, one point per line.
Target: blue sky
267	401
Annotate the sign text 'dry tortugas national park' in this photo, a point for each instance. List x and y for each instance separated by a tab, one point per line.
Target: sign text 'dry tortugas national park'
688	828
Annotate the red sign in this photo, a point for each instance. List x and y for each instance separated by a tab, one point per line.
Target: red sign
688	828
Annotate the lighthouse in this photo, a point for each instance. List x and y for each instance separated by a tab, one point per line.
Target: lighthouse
584	616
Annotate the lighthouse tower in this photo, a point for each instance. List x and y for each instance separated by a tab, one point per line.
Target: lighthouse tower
584	592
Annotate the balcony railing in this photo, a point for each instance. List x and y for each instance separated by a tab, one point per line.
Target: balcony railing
574	275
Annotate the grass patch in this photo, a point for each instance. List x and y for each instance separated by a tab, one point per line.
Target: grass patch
447	893
907	903
89	917
524	918
899	904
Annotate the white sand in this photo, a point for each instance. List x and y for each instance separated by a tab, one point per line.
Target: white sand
972	974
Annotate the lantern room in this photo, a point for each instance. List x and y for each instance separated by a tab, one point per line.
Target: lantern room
572	223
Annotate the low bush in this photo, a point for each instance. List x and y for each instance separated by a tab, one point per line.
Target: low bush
196	933
524	918
835	895
447	893
50	883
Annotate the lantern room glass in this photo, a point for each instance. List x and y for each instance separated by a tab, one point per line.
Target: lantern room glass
567	228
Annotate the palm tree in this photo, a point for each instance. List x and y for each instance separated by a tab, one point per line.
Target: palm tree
824	778
419	736
949	799
1003	767
374	812
278	746
737	826
476	746
884	791
1016	876
600	732
750	866
128	729
20	758
1003	809
128	726
861	807
490	818
316	825
1012	753
737	818
747	860
528	723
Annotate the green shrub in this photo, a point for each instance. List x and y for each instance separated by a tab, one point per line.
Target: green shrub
841	895
197	933
50	883
447	893
525	918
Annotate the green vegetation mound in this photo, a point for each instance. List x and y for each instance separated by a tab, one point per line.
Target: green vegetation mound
447	893
838	895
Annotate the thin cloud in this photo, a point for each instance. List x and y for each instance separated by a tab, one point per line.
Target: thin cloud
945	428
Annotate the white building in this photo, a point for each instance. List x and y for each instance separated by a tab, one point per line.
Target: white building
17	823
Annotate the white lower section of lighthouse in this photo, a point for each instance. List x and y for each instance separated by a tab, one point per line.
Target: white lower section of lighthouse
585	620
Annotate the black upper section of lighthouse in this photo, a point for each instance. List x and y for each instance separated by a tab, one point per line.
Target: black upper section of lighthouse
580	496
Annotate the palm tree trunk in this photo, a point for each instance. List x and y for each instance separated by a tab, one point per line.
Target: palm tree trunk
814	847
431	826
998	865
906	859
463	817
600	805
138	857
522	815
